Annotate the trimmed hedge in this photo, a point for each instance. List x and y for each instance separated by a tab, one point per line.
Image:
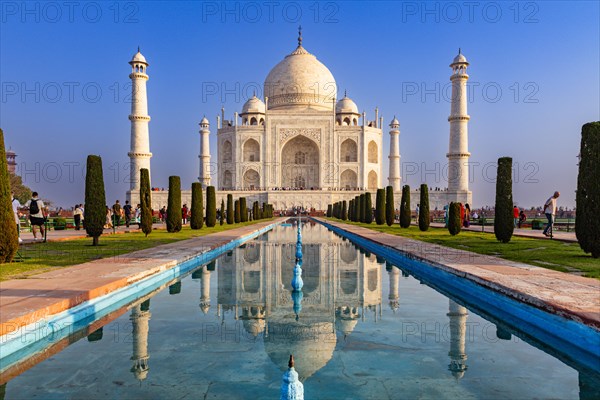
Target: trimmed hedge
9	237
236	212
145	202
424	208
329	210
230	211
368	208
243	210
174	215
95	199
344	210
504	224
405	207
211	206
587	199
380	207
454	225
222	213
197	219
389	205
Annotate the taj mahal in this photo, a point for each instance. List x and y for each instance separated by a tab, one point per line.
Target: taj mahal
301	146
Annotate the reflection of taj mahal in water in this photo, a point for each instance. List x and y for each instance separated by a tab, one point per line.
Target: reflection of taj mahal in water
342	287
300	145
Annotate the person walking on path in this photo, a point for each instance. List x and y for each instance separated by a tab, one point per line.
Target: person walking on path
127	210
36	215
184	213
16	204
550	211
516	215
77	214
116	210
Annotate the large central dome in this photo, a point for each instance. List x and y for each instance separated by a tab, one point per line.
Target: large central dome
300	81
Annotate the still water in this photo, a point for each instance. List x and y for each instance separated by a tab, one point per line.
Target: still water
360	330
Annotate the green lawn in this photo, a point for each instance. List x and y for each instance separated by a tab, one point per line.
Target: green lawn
43	257
553	254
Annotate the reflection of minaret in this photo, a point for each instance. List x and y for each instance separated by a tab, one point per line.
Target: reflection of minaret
205	290
458	329
394	276
140	316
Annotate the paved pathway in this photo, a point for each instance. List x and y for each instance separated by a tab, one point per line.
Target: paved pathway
556	292
536	234
24	301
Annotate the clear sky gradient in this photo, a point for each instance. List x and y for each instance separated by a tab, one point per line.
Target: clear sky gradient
535	74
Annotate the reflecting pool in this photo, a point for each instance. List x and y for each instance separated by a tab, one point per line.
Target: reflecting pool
359	329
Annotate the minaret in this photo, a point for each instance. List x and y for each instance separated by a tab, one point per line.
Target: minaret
140	316
458	153
140	138
205	290
204	176
394	178
458	330
11	161
394	277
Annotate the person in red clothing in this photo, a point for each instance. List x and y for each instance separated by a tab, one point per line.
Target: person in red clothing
184	213
516	215
462	214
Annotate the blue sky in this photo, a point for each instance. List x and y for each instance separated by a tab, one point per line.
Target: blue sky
535	74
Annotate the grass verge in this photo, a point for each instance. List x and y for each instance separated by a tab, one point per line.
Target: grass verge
43	257
552	254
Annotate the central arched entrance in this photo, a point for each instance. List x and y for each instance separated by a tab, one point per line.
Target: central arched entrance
300	163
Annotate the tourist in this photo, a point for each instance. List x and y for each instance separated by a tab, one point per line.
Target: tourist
446	216
108	223
116	210
184	213
550	211
163	214
77	215
467	220
417	213
522	218
16	204
36	215
516	215
127	211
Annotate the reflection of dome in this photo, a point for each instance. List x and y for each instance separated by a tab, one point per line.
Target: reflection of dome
311	343
253	105
346	105
205	307
254	326
300	81
345	326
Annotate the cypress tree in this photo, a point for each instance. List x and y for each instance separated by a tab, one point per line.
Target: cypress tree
424	208
380	207
197	220
9	237
211	206
368	208
236	212
361	210
587	198
145	202
405	207
174	215
243	210
504	224
222	213
329	210
230	211
357	209
389	206
344	210
454	219
95	199
350	209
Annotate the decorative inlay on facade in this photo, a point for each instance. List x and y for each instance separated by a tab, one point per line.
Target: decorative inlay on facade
312	133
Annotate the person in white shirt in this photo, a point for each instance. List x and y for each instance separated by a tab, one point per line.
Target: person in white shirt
77	216
550	211
16	204
36	215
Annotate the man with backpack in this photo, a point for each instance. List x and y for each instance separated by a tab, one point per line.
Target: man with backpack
116	209
36	215
127	209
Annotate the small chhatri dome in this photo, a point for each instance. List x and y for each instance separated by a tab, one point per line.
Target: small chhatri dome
253	105
204	121
139	58
460	59
395	123
346	105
